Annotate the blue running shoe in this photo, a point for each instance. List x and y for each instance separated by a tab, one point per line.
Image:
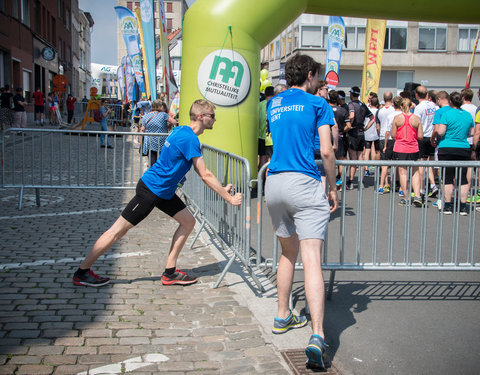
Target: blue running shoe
380	191
292	321
339	182
401	193
316	352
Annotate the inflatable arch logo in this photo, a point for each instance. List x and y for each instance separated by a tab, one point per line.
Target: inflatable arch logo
224	78
129	26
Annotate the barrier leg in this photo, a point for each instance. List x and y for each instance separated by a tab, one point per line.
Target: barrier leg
20	198
37	196
197	234
330	284
229	264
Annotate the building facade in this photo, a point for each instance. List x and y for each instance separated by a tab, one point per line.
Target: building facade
433	54
38	40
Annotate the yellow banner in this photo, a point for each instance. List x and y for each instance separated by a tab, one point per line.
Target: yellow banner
372	65
144	56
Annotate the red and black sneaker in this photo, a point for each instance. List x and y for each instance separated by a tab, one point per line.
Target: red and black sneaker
90	279
178	278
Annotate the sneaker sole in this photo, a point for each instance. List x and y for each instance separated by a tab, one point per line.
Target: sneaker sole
447	212
315	356
179	282
278	331
83	283
418	203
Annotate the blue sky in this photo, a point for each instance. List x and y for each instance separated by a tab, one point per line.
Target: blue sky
104	33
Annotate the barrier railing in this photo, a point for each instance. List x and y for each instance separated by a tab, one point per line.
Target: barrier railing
371	231
73	159
230	224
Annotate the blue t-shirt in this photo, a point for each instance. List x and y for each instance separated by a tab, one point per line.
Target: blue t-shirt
437	117
175	160
103	111
294	117
459	122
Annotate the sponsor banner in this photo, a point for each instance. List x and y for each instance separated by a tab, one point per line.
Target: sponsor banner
224	78
121	78
336	37
148	30
372	66
128	27
167	75
129	79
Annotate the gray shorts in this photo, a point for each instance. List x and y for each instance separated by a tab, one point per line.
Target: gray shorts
297	203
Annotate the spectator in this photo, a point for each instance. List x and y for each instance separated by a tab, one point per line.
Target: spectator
6	114
19	104
71	100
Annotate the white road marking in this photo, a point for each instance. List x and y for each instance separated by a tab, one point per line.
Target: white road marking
357	359
9	266
127	365
60	214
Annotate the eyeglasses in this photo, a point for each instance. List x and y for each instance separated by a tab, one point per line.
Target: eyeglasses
212	115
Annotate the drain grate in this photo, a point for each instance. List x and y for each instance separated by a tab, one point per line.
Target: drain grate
296	359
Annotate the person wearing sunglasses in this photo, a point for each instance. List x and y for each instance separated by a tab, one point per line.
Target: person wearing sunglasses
156	188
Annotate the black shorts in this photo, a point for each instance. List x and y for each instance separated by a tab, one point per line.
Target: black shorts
376	143
144	201
357	142
388	154
342	147
406	156
261	147
426	148
456	154
39	109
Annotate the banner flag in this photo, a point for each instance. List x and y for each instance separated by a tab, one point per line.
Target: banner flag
128	27
372	65
129	79
472	61
144	56
148	24
167	76
336	37
121	79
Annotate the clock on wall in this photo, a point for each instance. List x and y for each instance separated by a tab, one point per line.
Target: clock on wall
48	53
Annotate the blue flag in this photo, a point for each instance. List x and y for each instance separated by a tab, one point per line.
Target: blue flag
336	36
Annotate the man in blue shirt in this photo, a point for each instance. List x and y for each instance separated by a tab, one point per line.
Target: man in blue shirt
156	188
295	195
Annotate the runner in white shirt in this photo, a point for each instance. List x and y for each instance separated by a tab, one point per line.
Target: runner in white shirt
467	96
385	144
372	147
426	110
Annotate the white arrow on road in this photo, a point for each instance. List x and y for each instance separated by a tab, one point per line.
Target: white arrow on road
127	365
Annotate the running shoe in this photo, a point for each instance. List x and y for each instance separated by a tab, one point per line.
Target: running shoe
386	188
380	190
368	173
464	211
433	192
448	208
178	278
475	199
417	201
339	182
401	193
349	185
316	352
403	202
90	279
292	321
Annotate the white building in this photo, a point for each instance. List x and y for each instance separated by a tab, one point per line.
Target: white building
82	23
433	54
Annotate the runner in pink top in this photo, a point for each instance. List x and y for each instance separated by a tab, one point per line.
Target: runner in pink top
407	130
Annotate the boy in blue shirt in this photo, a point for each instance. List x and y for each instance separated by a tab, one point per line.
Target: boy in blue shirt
295	196
156	188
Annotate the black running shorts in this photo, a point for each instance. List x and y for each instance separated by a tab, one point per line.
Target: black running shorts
144	201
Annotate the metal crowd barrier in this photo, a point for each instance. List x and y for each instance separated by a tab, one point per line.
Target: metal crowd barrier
371	231
71	159
230	224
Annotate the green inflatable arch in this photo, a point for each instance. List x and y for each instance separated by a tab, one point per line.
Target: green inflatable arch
221	53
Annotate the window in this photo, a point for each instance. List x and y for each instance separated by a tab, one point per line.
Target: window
404	76
396	38
15	9
26	84
25	4
2	9
314	36
466	38
67	19
60	54
432	38
354	38
169	24
169	7
36	15
277	49
54	30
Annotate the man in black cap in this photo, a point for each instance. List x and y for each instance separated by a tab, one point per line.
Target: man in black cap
358	112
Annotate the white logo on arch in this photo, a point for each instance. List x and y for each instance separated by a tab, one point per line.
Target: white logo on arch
224	78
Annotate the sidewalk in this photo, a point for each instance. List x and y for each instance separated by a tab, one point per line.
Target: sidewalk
50	326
